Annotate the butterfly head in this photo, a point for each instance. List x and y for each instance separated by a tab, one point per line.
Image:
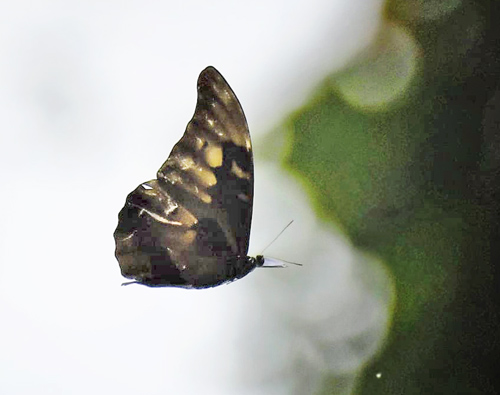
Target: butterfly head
259	260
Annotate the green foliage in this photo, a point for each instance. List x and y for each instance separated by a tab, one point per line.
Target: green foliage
404	181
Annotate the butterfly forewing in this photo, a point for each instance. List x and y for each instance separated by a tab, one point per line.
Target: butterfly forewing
191	226
211	168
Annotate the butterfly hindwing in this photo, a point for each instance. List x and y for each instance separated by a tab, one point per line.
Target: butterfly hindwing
191	226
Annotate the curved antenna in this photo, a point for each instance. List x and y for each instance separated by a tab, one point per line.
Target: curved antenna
279	234
294	263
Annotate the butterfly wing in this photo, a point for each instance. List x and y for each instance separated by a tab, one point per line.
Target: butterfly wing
211	168
191	226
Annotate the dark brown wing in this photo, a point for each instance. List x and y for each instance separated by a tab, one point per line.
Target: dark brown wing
191	226
210	170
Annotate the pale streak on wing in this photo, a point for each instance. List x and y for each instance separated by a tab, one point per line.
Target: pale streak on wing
184	216
157	217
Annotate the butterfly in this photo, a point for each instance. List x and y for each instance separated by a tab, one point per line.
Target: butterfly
190	227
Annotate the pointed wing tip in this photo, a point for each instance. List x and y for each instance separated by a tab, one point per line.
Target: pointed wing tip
210	69
209	76
209	73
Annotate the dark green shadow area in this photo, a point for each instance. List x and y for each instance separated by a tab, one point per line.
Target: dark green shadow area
418	185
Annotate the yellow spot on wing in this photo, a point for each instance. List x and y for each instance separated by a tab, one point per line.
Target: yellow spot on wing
241	139
213	155
239	172
205	197
205	176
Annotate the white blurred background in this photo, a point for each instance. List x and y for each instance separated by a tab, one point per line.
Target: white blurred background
92	98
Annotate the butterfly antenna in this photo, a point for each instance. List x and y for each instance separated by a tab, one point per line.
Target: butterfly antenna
279	234
294	263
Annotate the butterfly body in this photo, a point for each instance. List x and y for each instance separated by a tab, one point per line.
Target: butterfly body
190	227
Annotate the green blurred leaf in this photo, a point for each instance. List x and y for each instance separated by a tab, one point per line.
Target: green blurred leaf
404	182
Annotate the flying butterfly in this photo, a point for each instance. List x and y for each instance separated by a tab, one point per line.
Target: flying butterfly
190	227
